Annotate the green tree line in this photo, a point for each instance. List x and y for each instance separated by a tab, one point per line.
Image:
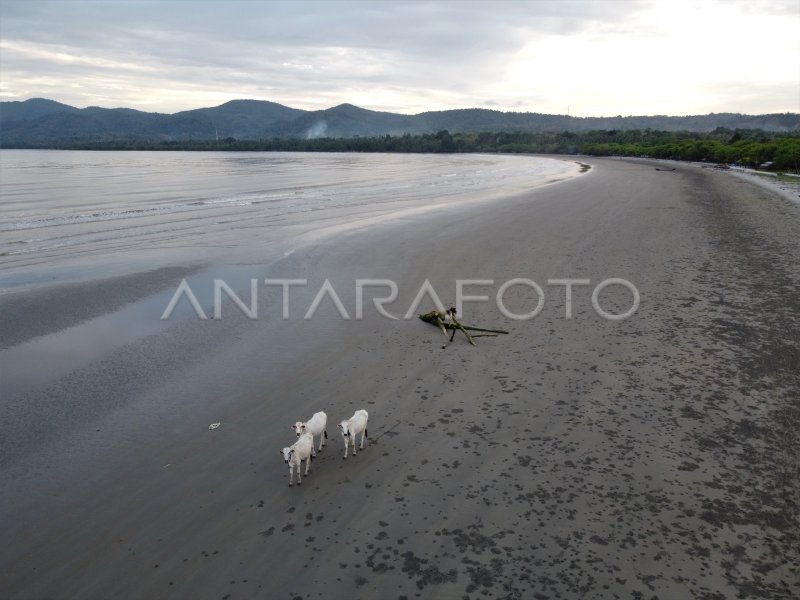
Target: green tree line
750	148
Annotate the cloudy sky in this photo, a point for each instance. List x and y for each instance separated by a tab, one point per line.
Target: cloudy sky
600	57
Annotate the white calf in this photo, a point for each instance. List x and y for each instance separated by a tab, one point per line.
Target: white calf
295	454
316	427
352	427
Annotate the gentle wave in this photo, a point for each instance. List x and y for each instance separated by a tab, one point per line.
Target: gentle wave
38	222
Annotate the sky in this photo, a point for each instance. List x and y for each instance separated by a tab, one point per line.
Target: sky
584	58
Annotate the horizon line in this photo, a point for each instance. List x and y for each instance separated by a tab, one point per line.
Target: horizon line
617	116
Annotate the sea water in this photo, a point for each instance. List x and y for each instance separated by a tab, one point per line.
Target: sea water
76	214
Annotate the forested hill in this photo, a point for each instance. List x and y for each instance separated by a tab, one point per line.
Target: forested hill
38	122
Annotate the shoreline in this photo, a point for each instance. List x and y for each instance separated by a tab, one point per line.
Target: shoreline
573	456
789	190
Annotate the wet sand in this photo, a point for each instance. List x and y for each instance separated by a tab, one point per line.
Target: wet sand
574	458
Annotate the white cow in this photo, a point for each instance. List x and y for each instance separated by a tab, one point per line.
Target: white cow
295	454
352	427
316	427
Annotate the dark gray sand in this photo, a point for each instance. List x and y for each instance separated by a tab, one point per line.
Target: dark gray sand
581	458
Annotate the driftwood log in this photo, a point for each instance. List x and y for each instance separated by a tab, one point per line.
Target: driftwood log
448	320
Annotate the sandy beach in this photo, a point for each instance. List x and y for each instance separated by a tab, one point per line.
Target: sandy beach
652	457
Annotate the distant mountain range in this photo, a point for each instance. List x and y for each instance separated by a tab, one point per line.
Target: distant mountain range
38	122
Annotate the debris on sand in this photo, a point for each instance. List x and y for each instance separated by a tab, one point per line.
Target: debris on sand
448	321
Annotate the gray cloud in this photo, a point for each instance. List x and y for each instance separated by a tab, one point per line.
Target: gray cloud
418	26
386	55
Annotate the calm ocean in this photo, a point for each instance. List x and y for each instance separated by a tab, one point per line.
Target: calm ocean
67	211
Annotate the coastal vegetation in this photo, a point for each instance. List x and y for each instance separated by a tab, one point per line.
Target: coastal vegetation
38	120
257	125
776	151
